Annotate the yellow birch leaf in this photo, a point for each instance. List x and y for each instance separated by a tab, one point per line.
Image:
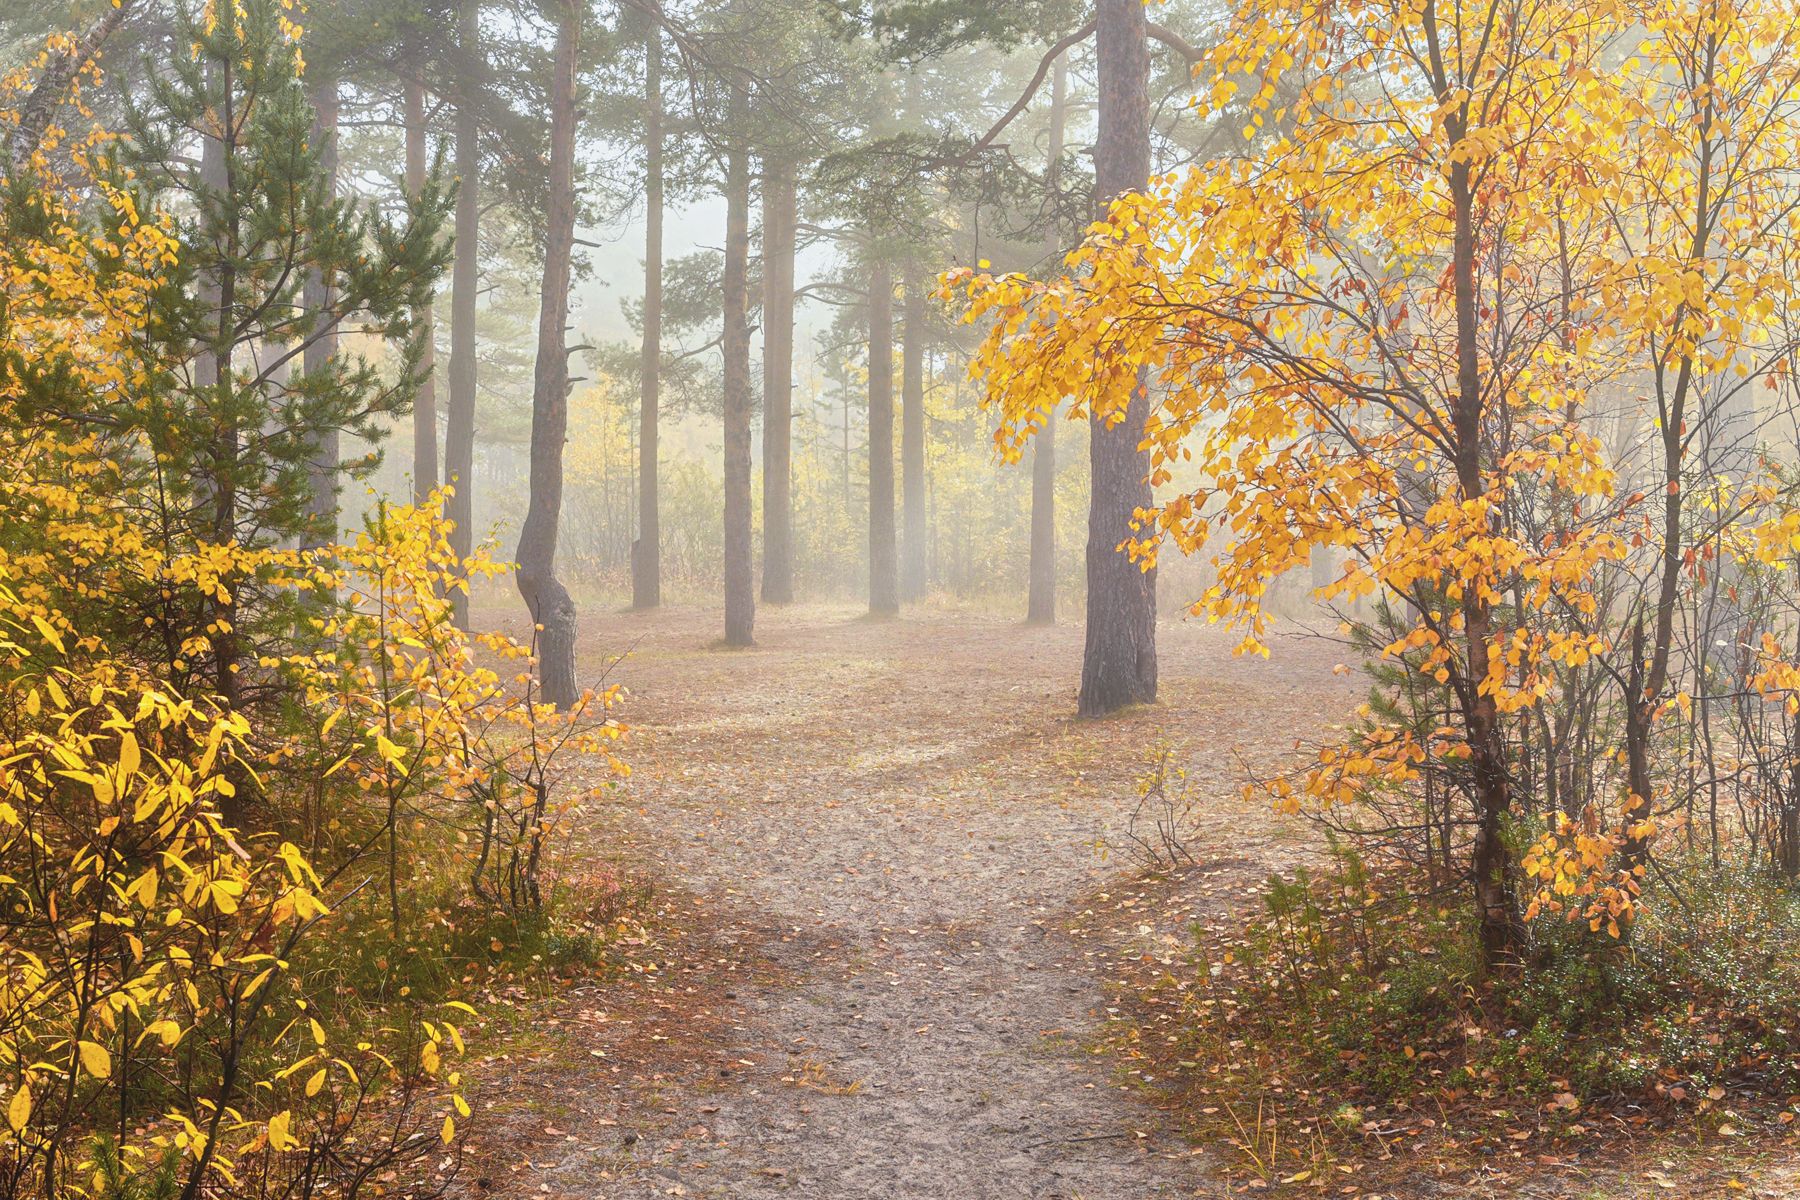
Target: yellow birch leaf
94	1059
279	1138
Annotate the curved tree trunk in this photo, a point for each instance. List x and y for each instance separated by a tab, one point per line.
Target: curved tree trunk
646	552
459	424
425	433
1119	664
322	467
1040	602
740	573
778	381
912	437
884	567
552	610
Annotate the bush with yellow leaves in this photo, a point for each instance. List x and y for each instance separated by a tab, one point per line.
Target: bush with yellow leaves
184	873
151	1026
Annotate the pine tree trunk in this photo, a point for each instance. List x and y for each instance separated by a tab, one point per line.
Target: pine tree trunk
778	381
1040	602
552	609
740	572
425	432
912	436
884	567
646	552
212	372
322	469
1119	664
459	424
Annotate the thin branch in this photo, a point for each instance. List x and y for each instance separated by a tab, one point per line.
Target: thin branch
1056	51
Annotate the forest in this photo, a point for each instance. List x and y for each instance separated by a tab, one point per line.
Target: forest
941	599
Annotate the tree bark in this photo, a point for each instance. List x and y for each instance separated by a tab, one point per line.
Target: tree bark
1040	602
212	372
912	437
321	351
740	574
1119	663
459	424
778	381
552	609
646	555
1490	861
425	432
884	567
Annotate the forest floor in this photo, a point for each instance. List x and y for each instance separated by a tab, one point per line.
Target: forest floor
892	890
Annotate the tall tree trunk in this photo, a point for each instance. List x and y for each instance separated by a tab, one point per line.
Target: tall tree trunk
552	609
321	351
425	433
1119	664
740	572
1490	860
778	381
1040	602
212	371
912	436
646	552
884	568
459	424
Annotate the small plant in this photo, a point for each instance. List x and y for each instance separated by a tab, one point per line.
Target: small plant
1165	819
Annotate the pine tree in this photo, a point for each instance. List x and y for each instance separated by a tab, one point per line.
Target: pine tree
233	425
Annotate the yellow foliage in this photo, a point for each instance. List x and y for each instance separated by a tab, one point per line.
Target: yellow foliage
150	990
1394	329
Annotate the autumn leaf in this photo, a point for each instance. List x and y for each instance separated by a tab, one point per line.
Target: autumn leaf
94	1059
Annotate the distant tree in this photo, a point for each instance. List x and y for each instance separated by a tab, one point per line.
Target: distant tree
884	566
459	426
1040	602
425	410
646	556
779	244
740	585
325	455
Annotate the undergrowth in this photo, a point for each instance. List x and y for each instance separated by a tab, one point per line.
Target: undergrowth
1348	1021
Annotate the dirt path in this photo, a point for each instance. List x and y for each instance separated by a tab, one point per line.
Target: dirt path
900	816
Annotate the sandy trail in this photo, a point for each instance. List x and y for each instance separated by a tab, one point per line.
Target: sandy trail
901	816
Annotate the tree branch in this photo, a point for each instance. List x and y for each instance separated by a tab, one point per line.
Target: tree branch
1056	51
1174	41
